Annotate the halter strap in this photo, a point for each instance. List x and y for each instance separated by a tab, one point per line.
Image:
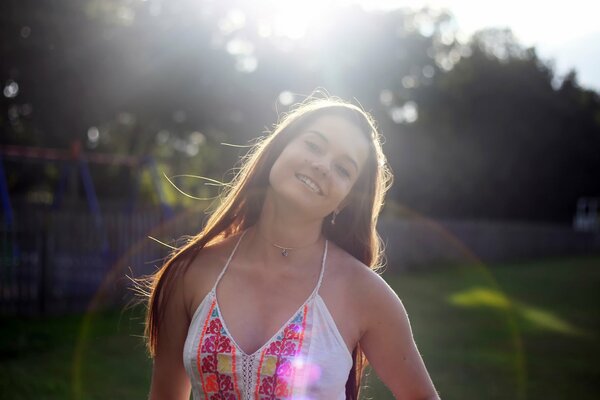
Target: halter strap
314	293
228	261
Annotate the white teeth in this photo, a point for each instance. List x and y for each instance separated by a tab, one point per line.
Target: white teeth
310	183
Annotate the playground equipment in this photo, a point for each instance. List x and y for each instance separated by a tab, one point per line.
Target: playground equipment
54	254
75	158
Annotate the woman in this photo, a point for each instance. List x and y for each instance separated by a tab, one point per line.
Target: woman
276	298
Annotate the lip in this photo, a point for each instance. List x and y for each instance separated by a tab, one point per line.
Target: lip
300	177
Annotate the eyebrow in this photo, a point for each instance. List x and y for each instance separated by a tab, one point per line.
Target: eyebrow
322	136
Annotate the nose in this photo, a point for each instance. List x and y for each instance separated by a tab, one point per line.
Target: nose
320	168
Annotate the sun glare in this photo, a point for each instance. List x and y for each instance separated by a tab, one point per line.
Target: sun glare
293	19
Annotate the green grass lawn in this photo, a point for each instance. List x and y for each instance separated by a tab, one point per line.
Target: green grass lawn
518	331
99	356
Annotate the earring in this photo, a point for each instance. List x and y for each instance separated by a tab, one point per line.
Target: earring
335	213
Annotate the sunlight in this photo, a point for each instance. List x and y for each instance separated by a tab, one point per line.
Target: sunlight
289	19
292	19
536	317
549	321
534	22
478	297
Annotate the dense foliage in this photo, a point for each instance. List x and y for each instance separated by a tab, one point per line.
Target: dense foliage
475	127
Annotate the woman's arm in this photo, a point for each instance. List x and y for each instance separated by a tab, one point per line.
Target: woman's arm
169	379
389	346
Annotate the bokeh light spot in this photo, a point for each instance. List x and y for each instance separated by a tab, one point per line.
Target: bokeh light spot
126	118
408	113
239	46
264	30
11	90
447	38
197	138
386	97
286	98
246	64
428	71
162	137
93	137
25	32
191	149
409	82
235	20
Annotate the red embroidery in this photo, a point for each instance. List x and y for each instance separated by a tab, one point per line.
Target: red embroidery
282	389
225	383
209	363
278	386
217	360
285	368
267	386
211	383
214	326
223	344
218	381
292	331
198	353
208	346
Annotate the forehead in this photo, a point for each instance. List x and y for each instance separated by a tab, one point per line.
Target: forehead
341	135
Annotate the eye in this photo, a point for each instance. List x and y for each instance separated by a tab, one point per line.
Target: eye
313	146
343	171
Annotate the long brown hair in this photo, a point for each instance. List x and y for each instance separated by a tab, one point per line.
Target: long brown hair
242	201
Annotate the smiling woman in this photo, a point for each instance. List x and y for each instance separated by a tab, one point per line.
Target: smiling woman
277	298
326	157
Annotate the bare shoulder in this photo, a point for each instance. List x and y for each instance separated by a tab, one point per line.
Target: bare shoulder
358	277
368	293
380	324
203	271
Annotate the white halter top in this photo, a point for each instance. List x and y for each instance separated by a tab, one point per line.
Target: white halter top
306	359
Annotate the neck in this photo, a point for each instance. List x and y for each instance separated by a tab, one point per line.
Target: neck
282	232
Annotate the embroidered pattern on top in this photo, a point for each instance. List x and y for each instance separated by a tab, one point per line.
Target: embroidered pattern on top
216	360
278	361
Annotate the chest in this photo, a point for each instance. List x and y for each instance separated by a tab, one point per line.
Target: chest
286	367
255	307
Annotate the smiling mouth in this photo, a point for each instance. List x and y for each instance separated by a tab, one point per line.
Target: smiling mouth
312	185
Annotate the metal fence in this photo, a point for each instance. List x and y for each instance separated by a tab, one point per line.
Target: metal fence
64	261
61	261
423	243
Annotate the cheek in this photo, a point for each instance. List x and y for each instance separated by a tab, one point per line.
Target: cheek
343	189
274	173
280	168
351	189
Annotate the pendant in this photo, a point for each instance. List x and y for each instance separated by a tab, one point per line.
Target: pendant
284	252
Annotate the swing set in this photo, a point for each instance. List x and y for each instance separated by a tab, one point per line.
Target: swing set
25	274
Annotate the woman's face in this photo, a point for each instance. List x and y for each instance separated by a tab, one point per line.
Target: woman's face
318	168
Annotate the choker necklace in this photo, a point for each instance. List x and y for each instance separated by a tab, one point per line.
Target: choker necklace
285	251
